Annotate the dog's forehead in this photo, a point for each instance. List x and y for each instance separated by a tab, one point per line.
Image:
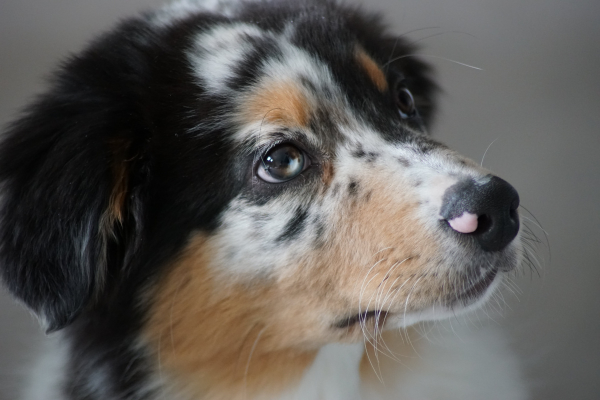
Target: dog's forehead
272	82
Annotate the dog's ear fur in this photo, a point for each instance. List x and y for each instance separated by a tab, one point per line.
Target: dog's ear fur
71	174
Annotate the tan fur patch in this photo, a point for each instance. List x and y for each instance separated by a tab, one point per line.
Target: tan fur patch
120	175
328	172
216	339
278	102
372	69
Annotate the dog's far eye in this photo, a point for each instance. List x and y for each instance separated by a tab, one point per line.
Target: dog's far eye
404	101
282	163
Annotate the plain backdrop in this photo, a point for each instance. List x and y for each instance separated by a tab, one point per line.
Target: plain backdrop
532	107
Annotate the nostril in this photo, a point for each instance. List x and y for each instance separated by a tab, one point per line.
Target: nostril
512	212
484	223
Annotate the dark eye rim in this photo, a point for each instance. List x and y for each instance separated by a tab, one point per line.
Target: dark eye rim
259	161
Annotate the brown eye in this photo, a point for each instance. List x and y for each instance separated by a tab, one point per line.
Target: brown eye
405	101
280	164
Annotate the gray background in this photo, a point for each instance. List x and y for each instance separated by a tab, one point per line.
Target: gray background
535	105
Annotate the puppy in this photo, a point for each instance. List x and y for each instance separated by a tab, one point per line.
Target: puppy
239	200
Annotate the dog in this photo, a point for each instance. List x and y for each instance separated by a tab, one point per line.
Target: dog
240	200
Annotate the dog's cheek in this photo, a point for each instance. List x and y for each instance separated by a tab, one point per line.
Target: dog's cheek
206	329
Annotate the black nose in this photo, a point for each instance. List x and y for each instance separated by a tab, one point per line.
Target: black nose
493	204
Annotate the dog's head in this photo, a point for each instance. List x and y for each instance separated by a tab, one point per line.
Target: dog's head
262	170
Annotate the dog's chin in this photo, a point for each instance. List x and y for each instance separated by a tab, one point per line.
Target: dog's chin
471	299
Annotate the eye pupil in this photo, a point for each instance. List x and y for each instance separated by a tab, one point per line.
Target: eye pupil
281	164
405	102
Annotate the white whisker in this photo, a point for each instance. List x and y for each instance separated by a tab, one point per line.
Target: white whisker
486	150
250	358
536	225
433	56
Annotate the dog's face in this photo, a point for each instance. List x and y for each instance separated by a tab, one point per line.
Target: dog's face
261	175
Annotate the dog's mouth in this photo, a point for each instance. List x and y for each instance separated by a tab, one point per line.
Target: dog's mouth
477	289
378	316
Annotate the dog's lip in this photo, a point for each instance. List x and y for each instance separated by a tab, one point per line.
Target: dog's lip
472	293
477	289
362	317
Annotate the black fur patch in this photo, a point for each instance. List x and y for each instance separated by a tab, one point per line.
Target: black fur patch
353	188
403	161
359	152
248	71
295	225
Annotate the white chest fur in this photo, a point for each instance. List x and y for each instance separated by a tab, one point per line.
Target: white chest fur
454	361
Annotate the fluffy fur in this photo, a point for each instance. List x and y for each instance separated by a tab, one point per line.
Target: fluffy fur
239	200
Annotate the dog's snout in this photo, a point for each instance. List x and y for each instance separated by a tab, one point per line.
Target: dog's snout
487	211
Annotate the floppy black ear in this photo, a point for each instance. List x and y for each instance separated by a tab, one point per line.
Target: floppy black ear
66	170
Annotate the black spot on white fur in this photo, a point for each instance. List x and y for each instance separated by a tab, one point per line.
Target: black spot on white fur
404	162
353	188
295	225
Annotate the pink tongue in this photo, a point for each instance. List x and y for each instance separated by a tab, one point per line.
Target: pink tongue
466	223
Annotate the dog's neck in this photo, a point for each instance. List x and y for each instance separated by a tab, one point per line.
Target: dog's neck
453	366
334	374
353	371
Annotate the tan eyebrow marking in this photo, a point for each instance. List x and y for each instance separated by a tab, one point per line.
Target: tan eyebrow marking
279	102
372	69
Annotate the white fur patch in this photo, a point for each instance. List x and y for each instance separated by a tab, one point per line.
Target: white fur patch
256	230
181	9
218	52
